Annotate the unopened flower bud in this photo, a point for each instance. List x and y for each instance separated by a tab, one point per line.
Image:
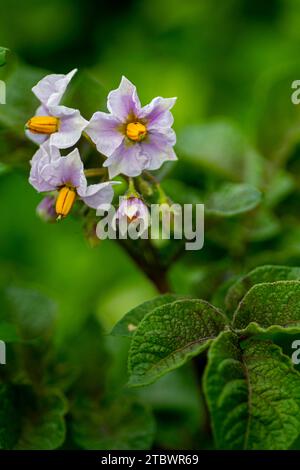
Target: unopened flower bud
132	208
46	209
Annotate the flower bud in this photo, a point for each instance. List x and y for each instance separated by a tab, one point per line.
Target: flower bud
43	124
132	208
46	209
65	201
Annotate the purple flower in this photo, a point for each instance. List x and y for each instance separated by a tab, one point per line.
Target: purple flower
50	171
46	209
132	214
132	208
60	125
134	138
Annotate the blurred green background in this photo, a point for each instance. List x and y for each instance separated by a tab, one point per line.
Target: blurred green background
231	61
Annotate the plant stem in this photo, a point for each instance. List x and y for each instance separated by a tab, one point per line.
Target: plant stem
89	173
150	265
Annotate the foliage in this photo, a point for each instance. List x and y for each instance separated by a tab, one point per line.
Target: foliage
251	387
207	334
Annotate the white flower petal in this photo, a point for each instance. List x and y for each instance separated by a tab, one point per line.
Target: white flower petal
51	88
157	113
127	160
124	101
38	139
104	130
159	148
42	158
97	194
65	170
71	127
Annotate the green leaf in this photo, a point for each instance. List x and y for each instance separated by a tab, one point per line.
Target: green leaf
259	275
281	185
120	425
32	312
3	52
43	424
170	335
222	149
273	306
129	323
253	394
232	200
31	421
261	226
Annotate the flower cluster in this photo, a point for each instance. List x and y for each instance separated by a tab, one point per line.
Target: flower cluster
130	137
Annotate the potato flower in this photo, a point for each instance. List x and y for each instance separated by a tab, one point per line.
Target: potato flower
132	208
134	138
51	172
60	125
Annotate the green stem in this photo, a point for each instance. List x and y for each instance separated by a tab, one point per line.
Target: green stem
91	172
163	198
87	137
148	262
131	186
